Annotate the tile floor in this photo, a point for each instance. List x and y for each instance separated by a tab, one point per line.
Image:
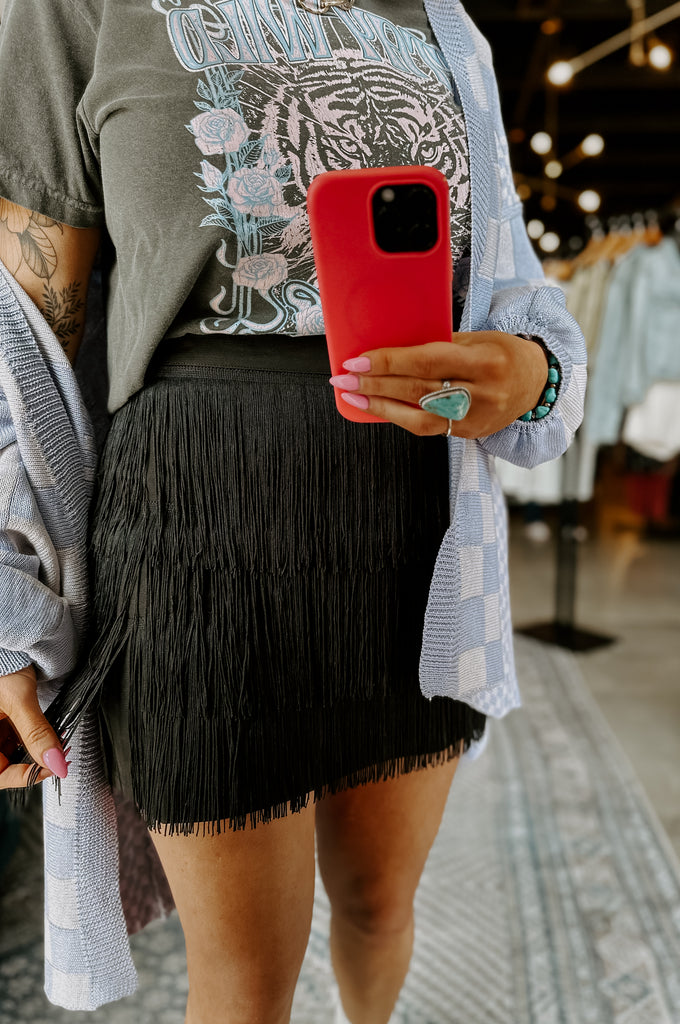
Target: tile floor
627	587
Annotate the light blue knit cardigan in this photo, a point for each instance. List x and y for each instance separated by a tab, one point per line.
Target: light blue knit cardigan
47	466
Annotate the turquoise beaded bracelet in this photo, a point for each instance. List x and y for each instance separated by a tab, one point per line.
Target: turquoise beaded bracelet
550	393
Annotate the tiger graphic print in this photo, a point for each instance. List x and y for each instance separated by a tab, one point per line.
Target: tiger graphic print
348	91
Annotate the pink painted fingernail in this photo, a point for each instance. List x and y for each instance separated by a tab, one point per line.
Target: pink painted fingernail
360	401
346	380
362	364
56	762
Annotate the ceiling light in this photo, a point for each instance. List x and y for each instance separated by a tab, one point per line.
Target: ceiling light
541	143
549	242
524	192
592	145
535	229
660	57
552	26
560	73
590	200
553	169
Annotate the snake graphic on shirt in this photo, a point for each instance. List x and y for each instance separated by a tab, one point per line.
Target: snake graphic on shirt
282	96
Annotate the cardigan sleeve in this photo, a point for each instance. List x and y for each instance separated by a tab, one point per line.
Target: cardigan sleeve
31	613
523	302
47	461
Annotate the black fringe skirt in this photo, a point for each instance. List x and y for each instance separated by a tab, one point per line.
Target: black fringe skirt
260	568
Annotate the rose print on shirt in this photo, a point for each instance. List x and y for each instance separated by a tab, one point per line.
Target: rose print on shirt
310	321
219	131
255	191
247	198
261	272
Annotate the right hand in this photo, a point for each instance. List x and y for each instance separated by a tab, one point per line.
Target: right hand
20	714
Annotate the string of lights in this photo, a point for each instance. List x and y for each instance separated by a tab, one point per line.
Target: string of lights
655	53
645	50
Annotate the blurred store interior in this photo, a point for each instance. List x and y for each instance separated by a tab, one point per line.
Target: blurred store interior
589	90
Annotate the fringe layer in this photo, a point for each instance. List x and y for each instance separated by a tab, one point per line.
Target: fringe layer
266	565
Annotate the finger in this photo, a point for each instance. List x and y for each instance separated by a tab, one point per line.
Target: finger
402	389
15	776
414	420
437	360
37	735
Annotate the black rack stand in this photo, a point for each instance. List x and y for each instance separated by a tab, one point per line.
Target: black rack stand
563	631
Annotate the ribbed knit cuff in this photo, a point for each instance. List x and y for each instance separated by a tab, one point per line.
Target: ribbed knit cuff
12	661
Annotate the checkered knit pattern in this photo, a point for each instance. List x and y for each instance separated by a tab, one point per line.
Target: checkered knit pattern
48	462
467	641
47	467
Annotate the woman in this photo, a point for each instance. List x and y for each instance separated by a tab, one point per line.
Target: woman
261	567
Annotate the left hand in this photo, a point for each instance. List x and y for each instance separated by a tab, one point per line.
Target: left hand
505	375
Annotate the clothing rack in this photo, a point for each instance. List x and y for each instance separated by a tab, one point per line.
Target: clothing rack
607	241
562	630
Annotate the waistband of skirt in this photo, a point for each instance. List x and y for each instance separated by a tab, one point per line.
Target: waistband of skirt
244	351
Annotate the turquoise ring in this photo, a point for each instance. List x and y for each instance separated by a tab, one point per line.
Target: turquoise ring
453	403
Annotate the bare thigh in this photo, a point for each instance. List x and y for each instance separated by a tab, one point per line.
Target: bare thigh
373	842
245	903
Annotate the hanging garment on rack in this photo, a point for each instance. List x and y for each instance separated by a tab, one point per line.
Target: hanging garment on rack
653	426
548	484
542	484
586	300
585	290
586	295
638	341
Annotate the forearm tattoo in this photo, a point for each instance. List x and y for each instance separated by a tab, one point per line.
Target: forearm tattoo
25	242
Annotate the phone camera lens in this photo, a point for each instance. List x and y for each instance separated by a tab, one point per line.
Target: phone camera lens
405	217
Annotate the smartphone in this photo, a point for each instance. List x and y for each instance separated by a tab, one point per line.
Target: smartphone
382	249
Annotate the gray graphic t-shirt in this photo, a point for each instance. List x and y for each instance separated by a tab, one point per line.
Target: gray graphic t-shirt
193	130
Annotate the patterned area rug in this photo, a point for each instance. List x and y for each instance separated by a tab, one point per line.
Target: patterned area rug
552	894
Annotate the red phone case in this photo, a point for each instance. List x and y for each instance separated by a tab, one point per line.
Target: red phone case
372	298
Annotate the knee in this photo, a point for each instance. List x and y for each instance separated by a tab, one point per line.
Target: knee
257	989
375	907
263	1000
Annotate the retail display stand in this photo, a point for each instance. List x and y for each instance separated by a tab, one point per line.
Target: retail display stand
562	630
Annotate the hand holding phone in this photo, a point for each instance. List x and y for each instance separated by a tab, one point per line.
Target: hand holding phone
382	249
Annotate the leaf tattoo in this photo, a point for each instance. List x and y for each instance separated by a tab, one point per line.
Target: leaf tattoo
46	222
61	309
24	240
38	251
